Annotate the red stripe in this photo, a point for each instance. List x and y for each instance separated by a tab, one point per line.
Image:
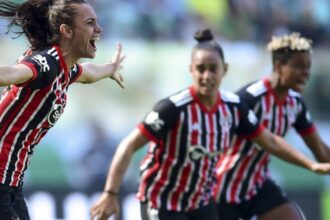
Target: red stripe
206	165
80	69
165	168
175	200
145	176
220	176
146	133
279	119
239	177
193	141
257	176
5	148
200	184
34	71
194	120
18	126
308	131
225	133
62	62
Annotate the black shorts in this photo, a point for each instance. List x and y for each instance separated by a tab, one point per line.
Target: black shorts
267	198
207	212
12	203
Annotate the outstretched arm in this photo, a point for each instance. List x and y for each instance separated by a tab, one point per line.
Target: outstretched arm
13	75
319	148
279	147
107	204
93	72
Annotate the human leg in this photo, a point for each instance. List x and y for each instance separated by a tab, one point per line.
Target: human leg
270	203
286	211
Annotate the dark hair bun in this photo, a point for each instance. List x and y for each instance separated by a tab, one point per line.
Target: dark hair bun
203	35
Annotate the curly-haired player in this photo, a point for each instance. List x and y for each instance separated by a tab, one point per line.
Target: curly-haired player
244	187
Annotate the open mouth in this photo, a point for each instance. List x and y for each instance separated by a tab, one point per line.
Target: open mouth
92	42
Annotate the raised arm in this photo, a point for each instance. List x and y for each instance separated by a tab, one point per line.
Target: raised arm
13	75
107	204
319	148
279	147
92	72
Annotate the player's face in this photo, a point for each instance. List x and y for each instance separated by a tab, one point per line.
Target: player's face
295	73
86	31
207	69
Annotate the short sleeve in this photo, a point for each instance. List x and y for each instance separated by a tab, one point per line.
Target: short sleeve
159	120
249	125
304	124
45	69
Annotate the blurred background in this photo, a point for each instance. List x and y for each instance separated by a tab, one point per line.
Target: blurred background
69	167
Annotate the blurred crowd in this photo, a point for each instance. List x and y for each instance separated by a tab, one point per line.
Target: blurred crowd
241	20
245	20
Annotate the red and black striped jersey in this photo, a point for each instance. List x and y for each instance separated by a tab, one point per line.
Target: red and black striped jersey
177	174
28	110
243	170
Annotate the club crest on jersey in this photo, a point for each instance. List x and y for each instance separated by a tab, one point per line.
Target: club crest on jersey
154	121
42	62
226	122
55	113
292	114
197	152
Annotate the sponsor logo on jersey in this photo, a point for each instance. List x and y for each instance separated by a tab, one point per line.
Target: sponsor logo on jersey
197	152
42	62
154	121
226	122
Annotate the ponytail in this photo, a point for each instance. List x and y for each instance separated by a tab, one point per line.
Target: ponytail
39	20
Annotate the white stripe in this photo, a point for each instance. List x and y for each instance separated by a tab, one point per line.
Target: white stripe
50	51
25	126
181	98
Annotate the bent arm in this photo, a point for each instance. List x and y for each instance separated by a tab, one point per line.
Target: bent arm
134	141
319	148
13	75
107	204
277	146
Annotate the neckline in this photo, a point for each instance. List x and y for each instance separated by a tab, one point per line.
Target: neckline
277	100
62	61
212	110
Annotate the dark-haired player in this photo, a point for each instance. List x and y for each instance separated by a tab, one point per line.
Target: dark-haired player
187	132
59	33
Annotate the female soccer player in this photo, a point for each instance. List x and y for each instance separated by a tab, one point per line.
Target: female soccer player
60	32
244	186
187	132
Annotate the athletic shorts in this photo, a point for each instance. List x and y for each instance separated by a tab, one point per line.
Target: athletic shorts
207	212
267	198
12	203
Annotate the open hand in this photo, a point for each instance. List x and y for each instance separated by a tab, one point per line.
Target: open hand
117	66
